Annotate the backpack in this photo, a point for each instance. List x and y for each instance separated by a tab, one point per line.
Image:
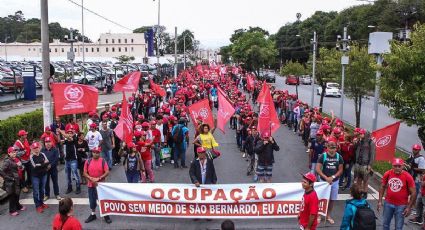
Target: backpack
364	218
325	157
178	135
89	161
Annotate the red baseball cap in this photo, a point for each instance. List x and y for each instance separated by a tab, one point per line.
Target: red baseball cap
416	147
153	122
114	115
140	116
22	133
11	149
337	130
93	125
309	176
47	128
200	150
362	131
137	133
145	124
131	145
35	145
97	149
397	161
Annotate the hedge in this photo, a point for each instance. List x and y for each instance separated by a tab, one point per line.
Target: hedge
32	122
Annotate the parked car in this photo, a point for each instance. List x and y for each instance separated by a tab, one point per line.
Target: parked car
305	80
9	83
292	80
332	89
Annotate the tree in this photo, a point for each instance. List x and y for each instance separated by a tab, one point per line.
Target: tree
359	77
403	82
125	59
226	52
293	68
254	50
327	69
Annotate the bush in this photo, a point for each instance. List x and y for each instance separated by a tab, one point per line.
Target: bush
32	122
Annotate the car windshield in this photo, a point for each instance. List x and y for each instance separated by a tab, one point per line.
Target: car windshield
333	85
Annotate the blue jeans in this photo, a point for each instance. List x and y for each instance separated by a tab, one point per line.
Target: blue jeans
133	176
346	173
391	210
92	197
38	185
52	173
179	152
107	155
72	167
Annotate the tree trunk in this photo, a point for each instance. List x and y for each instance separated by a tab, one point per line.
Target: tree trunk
358	109
322	96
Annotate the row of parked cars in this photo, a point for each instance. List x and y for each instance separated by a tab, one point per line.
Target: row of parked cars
93	73
332	88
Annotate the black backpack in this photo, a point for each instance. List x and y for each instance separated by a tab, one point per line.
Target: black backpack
178	135
364	218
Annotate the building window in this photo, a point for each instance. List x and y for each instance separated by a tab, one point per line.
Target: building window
113	49
119	41
75	50
132	41
56	50
63	50
125	40
50	50
97	50
87	49
125	49
39	50
33	49
119	49
106	41
132	49
29	49
113	41
81	49
92	50
107	49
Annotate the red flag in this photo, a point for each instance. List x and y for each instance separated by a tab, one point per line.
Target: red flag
267	117
385	140
225	110
265	90
124	129
202	108
129	83
72	98
250	82
157	89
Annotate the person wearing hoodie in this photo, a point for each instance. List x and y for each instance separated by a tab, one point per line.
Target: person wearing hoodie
264	149
351	205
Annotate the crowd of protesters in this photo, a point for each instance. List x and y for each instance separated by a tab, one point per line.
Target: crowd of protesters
90	149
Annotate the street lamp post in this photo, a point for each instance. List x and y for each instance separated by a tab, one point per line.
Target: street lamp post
158	37
71	54
82	30
314	67
184	52
5	46
344	61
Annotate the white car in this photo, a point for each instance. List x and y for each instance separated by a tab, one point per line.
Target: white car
332	89
305	80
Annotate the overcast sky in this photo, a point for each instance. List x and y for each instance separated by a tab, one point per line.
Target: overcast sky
212	21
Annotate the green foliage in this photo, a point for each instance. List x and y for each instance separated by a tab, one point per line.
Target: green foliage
403	82
32	122
254	50
125	58
226	52
293	68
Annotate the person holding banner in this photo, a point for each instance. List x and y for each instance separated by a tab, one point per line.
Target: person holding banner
309	208
264	149
202	169
133	164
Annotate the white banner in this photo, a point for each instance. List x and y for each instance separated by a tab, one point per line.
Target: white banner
274	200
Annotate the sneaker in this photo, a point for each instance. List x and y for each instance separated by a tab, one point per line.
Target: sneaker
184	167
25	190
45	206
23	208
160	165
415	220
107	219
39	209
90	219
172	161
46	198
69	190
244	155
58	197
14	213
78	191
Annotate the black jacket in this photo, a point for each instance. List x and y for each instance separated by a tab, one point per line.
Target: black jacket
52	155
250	143
195	172
265	152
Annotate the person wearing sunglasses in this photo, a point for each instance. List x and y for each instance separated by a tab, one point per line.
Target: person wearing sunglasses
398	187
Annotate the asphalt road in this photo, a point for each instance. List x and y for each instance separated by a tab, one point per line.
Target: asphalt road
407	136
231	168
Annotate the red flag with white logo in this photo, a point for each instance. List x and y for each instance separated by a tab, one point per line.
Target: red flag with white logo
202	108
129	83
250	82
157	89
124	129
268	120
385	140
70	98
225	110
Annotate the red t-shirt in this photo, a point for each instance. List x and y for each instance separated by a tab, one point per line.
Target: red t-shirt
347	151
423	187
95	169
309	206
52	137
156	134
70	224
24	146
397	187
145	149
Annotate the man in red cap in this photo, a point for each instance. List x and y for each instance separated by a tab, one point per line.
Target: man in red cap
52	155
400	195
48	133
364	155
156	143
317	147
309	209
23	153
93	137
265	149
250	143
202	169
416	168
39	166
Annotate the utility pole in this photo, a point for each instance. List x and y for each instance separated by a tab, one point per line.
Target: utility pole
82	32
344	61
71	54
377	93
47	98
175	52
5	46
158	37
314	68
184	52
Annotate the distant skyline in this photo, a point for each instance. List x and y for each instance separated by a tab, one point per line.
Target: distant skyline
213	22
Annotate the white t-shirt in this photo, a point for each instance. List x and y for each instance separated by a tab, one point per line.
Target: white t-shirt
93	139
161	130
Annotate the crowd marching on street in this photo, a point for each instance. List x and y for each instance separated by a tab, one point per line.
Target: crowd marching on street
91	149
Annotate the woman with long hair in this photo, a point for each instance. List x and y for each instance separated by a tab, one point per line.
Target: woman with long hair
65	220
206	139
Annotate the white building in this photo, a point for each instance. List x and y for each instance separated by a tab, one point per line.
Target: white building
106	48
